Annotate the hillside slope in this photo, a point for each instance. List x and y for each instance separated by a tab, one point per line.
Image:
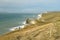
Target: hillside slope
47	30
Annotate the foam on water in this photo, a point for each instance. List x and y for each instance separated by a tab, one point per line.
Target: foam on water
13	21
15	28
18	27
24	22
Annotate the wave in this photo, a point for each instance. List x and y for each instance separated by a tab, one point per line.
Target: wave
18	27
21	26
24	22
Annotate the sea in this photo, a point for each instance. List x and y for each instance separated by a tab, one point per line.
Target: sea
11	20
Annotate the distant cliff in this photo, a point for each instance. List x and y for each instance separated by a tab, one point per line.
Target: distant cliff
46	27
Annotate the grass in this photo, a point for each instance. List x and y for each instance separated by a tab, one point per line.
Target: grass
48	30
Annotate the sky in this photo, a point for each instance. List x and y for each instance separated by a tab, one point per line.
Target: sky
29	6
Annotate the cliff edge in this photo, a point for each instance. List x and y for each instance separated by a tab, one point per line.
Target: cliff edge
45	28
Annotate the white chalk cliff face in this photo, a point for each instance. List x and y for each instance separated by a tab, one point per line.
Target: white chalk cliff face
39	16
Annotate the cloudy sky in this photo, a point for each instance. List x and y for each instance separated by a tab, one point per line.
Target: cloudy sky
29	6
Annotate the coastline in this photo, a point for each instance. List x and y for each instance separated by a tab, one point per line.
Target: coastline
48	24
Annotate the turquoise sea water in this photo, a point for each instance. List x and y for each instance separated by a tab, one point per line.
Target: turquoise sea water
9	20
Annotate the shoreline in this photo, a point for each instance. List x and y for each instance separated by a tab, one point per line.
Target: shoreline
47	27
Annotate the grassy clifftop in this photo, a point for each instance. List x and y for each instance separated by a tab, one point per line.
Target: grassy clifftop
49	29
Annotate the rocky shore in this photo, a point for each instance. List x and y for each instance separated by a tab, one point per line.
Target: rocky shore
45	27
